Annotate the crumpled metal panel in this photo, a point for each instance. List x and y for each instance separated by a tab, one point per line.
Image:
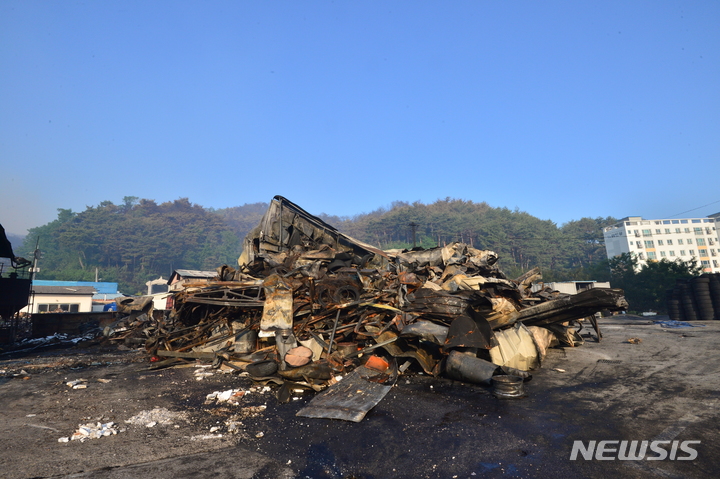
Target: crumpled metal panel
278	308
285	224
437	303
574	306
516	349
405	349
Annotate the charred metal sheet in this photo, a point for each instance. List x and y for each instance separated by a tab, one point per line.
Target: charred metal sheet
574	306
352	397
247	294
426	330
466	332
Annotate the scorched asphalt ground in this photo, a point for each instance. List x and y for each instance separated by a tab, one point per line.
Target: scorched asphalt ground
664	387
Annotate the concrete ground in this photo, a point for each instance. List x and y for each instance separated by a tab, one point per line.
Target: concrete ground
665	387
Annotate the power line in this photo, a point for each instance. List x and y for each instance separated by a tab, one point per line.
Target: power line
688	211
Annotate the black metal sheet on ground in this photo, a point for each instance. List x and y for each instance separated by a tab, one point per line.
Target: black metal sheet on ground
352	397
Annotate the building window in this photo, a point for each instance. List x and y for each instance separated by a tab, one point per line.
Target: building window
700	241
692	252
680	241
660	242
682	252
667	231
649	244
647	233
641	256
677	230
715	263
689	241
672	253
639	244
687	230
662	253
698	231
59	308
705	263
657	232
669	242
651	255
703	252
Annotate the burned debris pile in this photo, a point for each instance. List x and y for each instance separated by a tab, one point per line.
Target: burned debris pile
308	305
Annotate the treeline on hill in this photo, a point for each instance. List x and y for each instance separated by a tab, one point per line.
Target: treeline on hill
521	240
132	243
141	240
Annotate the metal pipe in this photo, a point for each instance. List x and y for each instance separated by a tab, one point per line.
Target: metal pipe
332	335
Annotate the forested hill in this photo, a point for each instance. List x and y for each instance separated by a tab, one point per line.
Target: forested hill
141	240
522	241
132	243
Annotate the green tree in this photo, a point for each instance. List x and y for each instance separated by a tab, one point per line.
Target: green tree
645	286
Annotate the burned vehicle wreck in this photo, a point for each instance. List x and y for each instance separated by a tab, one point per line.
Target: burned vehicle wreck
311	309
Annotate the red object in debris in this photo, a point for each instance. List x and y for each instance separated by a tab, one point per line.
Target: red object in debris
154	359
377	363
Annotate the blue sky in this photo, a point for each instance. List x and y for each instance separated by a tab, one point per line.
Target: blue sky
560	109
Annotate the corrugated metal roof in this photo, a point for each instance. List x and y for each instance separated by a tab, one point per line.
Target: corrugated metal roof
194	273
69	290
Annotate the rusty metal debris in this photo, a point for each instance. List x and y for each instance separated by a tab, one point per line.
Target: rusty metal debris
308	305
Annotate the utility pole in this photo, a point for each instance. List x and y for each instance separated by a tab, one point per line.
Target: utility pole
413	226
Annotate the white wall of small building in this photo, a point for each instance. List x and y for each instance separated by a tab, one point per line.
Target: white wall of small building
54	301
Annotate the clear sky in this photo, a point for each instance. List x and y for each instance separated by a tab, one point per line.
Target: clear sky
560	109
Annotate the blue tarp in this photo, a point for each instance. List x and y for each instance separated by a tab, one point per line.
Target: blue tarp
678	324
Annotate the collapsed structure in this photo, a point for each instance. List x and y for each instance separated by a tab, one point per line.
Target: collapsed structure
308	304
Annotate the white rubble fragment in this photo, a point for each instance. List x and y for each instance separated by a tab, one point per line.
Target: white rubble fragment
158	416
230	396
205	436
92	431
75	383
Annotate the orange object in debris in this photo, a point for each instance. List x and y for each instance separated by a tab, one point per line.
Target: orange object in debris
377	363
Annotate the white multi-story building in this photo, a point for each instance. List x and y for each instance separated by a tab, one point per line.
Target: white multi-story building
653	240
